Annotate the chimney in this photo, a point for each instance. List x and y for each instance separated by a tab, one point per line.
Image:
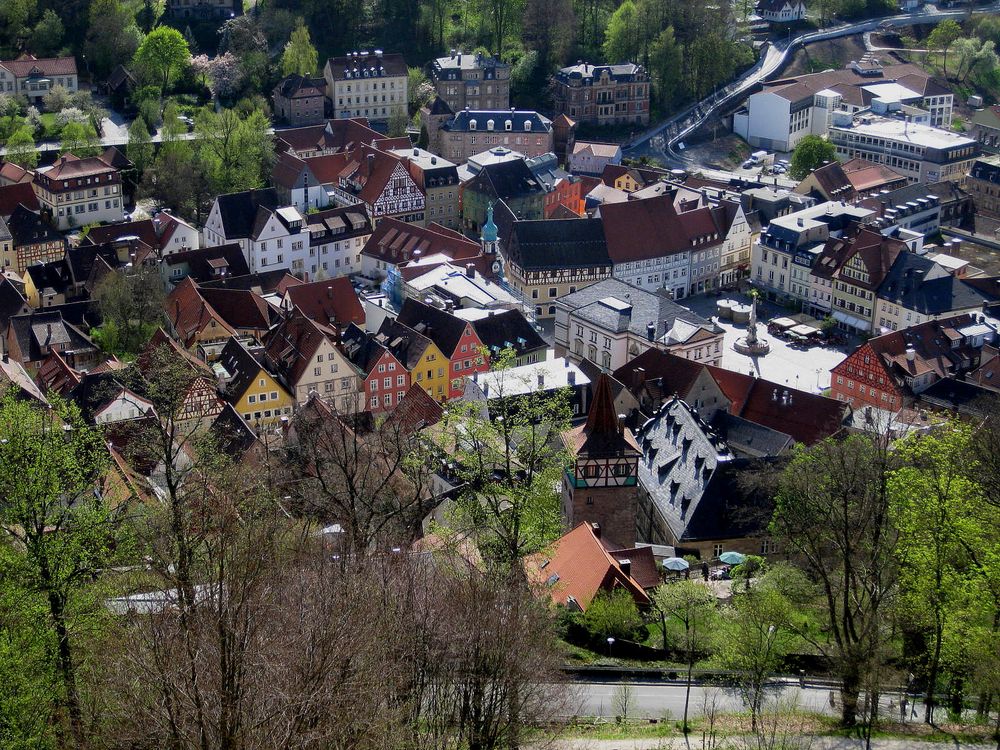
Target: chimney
329	292
541	380
911	353
470	270
626	566
651	331
571	378
801	223
638	377
371	164
596	528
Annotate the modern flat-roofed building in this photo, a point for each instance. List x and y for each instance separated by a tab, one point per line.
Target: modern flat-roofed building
921	152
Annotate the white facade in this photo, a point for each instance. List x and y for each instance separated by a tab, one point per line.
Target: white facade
330	257
281	243
126	405
670	272
182	236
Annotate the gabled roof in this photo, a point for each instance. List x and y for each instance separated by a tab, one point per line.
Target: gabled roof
506	180
70	167
596	148
40	329
291	346
27	228
190	313
120	75
361	348
299	87
335	135
14	173
508	329
558	244
369	171
576	568
204	262
406	345
332	302
54	275
238	211
326	167
441	327
917	283
240	308
877	254
233	435
161	340
342	222
19	193
144	229
12	301
96	390
242	366
652	228
416	411
439	107
27	65
14	377
55	375
276	280
806	417
395	242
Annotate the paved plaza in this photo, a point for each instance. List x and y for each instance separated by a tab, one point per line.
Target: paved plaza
805	369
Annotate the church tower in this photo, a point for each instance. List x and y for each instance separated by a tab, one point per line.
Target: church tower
600	484
489	237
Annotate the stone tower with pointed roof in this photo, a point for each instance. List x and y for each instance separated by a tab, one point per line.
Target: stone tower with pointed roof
600	485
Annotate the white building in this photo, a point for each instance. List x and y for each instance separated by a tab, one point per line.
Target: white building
336	238
79	191
269	236
367	84
921	152
788	110
781	11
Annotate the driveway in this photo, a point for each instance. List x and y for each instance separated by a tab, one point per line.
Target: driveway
807	370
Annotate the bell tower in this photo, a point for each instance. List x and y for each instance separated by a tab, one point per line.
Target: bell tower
489	236
600	484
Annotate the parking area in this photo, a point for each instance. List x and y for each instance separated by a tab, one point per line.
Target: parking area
805	369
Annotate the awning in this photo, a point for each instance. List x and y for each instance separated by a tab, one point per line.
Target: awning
850	321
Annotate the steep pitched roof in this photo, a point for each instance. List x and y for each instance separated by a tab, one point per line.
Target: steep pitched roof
299	87
242	365
241	309
559	244
416	411
27	228
291	346
603	434
144	229
332	302
204	262
335	135
508	329
38	330
361	348
19	193
441	327
506	180
238	211
395	242
27	65
917	283
406	345
577	567
652	228
190	313
877	254
277	280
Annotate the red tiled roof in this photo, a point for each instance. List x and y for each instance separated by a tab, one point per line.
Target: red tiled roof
394	242
190	313
577	567
652	228
416	411
11	172
71	167
326	167
144	229
49	66
291	345
54	375
330	301
18	194
240	308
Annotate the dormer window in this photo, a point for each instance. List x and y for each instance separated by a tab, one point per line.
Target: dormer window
472	124
527	126
508	125
489	124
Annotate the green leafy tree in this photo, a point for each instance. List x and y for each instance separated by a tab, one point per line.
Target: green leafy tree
811	153
140	149
933	494
754	639
47	36
944	35
691	608
234	150
300	56
665	64
622	37
974	57
162	56
833	515
21	148
79	139
510	463
62	531
612	614
112	36
132	303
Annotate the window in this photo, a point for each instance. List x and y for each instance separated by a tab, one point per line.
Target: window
374	402
717	550
387	383
274	395
317	371
373	384
388	399
400	379
252	399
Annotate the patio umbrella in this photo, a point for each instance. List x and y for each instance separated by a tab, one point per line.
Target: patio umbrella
732	558
676	563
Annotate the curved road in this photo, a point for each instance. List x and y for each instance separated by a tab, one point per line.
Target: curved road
674	129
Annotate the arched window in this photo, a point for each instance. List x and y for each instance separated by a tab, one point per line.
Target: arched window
472	124
489	124
606	360
592	353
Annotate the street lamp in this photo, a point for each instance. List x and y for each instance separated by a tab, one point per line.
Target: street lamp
611	642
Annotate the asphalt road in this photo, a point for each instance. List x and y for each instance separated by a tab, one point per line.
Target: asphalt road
675	129
658	701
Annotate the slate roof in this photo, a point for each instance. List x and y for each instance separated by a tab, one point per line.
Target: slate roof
291	345
551	244
19	193
406	345
144	229
505	180
40	328
12	301
962	396
28	228
441	327
238	211
749	439
638	308
587	72
521	121
577	567
439	107
602	435
361	348
391	63
233	435
242	365
500	330
917	283
332	302
299	87
200	261
693	478
54	275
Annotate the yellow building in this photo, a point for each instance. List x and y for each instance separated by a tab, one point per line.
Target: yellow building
427	366
255	394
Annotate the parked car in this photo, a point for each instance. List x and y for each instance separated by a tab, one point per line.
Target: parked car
748	164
